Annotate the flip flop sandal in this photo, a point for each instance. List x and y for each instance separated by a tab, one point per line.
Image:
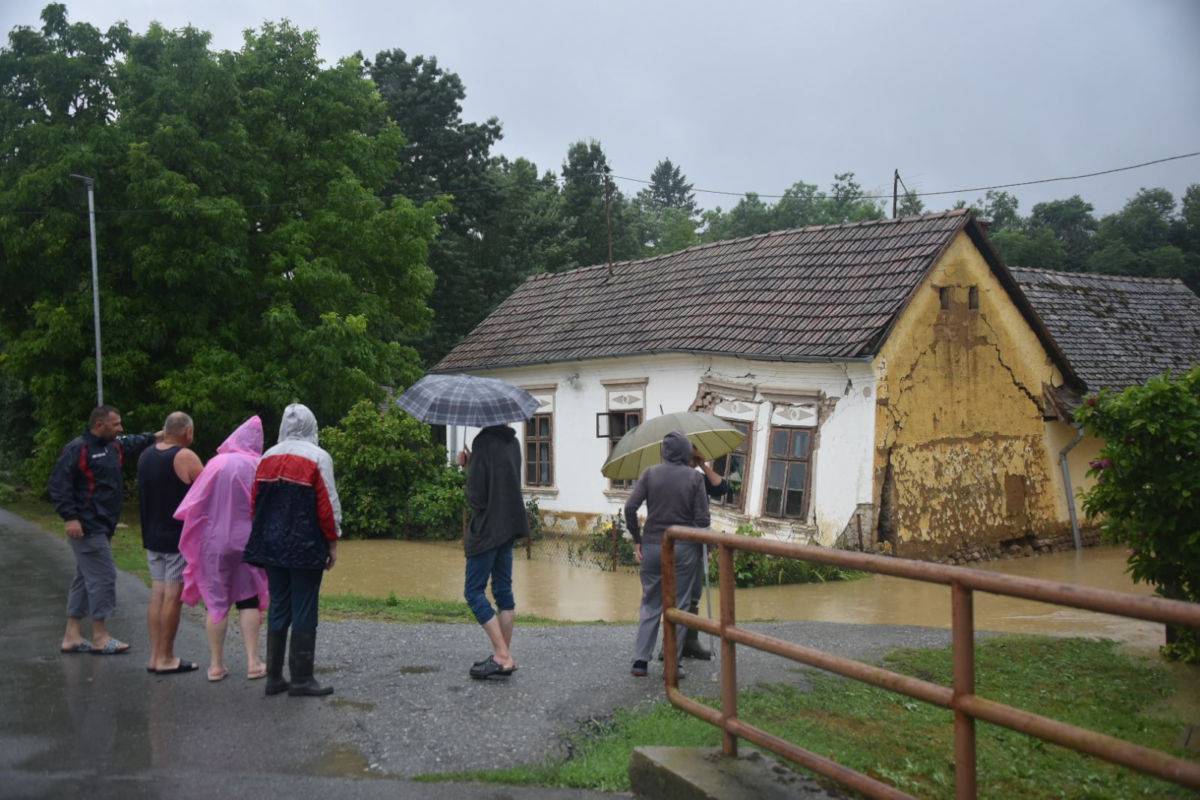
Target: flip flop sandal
253	676
217	679
184	666
492	658
114	647
490	668
82	647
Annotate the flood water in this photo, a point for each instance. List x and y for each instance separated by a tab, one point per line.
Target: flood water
561	591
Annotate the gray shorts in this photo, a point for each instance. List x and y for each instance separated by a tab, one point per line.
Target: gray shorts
165	567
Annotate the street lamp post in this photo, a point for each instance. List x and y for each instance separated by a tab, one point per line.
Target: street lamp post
90	183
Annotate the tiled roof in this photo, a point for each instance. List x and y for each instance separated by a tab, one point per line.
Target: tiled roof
1116	330
820	293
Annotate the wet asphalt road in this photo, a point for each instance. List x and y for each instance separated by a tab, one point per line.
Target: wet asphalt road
76	724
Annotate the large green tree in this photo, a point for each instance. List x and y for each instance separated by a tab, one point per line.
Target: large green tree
593	207
444	155
246	259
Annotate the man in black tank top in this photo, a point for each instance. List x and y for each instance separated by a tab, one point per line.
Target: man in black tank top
165	472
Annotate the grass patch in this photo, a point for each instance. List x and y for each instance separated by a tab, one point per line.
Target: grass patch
907	743
411	609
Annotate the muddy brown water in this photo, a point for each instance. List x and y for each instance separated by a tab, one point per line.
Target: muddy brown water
564	592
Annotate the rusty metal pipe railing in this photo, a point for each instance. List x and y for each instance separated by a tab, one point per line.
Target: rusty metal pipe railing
960	698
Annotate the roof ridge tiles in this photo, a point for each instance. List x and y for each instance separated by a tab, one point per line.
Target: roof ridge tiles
1102	276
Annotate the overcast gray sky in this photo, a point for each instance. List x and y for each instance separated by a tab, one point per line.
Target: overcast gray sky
754	96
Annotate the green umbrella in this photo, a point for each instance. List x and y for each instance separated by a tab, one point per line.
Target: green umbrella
712	437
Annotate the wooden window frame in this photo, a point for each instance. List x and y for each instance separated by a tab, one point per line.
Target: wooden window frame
536	439
788	460
622	485
748	443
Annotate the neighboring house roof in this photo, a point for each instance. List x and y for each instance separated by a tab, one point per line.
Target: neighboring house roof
825	293
1116	330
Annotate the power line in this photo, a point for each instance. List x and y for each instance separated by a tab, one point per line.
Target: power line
952	191
465	190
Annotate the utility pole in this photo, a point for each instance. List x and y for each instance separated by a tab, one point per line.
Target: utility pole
895	191
608	219
90	183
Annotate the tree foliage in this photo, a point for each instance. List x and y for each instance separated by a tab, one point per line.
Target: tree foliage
246	258
802	204
393	479
1148	486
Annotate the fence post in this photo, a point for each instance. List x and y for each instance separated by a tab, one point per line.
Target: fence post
726	583
963	645
613	534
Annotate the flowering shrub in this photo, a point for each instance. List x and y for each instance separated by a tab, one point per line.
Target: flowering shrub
1148	486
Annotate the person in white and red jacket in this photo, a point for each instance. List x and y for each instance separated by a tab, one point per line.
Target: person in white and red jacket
294	536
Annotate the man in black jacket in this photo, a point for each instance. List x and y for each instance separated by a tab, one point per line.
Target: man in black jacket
86	487
497	520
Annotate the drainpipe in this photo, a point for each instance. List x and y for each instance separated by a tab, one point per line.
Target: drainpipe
1066	473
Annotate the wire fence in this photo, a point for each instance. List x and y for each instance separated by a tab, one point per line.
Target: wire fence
605	546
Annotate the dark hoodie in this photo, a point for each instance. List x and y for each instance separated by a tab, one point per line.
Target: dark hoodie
494	491
674	493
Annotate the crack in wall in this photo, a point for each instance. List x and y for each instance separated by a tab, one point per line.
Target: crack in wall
1011	373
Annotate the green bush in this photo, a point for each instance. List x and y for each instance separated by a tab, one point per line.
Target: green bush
533	512
393	479
1148	486
758	569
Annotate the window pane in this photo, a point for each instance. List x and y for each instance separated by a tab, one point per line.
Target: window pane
530	473
800	441
774	498
530	452
795	503
546	474
544	452
616	426
544	427
797	474
737	466
776	471
720	464
779	442
633	421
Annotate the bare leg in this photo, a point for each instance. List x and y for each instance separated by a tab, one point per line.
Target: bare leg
100	634
73	635
216	648
250	619
154	620
507	620
169	625
499	646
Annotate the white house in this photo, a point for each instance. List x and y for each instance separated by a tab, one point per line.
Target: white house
889	374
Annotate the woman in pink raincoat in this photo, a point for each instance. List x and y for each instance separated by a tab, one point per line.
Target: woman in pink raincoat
216	524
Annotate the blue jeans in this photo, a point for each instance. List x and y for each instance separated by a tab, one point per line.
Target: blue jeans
294	594
496	564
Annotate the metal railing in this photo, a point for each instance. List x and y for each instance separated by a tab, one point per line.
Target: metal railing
960	698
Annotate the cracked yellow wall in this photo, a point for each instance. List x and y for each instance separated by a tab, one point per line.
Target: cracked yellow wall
961	445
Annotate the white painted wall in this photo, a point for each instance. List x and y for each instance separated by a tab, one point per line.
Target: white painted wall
841	464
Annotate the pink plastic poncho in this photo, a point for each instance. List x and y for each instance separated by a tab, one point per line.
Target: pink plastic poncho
216	524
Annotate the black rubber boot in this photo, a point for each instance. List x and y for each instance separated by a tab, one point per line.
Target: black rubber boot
300	666
276	649
692	647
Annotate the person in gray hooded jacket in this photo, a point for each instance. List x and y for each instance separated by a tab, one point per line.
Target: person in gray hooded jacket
674	494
